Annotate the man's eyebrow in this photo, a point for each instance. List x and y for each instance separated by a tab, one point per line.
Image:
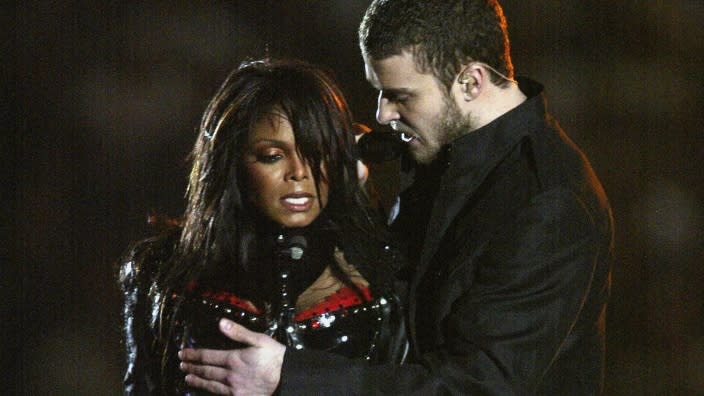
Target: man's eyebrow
395	91
399	90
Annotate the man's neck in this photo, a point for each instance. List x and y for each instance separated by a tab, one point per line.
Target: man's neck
496	102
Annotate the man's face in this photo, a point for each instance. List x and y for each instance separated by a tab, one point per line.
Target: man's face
415	104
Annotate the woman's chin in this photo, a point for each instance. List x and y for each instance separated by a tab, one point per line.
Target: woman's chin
296	220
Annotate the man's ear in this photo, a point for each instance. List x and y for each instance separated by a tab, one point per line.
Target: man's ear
466	77
470	79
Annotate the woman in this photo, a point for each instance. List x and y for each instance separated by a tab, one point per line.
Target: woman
277	235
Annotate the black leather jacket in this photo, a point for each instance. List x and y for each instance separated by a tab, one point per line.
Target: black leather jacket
351	323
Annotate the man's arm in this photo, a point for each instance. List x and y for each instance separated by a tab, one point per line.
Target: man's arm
537	290
536	297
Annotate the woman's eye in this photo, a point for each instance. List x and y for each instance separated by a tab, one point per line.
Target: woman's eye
268	158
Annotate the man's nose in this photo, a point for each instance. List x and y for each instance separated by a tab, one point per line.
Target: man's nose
385	110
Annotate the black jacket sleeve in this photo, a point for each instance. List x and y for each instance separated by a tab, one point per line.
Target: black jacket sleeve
140	312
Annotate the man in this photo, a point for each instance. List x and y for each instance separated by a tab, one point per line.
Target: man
508	228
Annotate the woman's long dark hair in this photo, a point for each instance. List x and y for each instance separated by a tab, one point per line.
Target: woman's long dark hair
218	229
218	225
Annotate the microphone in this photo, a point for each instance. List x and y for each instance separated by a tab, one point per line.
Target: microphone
284	327
376	147
296	246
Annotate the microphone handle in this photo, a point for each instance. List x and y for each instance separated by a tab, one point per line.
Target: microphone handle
285	329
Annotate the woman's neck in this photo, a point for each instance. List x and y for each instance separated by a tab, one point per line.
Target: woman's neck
303	252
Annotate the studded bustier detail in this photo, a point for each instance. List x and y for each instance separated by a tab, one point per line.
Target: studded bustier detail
344	323
353	322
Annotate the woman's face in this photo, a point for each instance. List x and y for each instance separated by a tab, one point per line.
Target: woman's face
281	185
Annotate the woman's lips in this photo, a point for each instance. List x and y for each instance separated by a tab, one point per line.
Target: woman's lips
297	202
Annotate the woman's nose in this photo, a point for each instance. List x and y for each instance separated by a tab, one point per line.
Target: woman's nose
298	169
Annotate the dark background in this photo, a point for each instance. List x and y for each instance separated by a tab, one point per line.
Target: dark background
102	102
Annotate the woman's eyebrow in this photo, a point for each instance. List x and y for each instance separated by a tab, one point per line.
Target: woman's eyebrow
273	142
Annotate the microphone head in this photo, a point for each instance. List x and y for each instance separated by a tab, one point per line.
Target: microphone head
376	147
296	246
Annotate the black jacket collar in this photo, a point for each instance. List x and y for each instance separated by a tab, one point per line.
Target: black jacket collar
466	162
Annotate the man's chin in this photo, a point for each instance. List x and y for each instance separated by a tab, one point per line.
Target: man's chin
423	157
422	153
